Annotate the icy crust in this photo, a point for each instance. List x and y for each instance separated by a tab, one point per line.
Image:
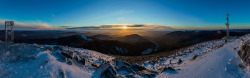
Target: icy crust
32	60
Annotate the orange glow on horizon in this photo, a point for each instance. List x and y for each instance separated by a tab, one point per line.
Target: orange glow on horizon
124	27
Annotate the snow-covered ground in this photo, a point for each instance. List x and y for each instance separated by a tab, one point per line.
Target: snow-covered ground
183	54
219	63
31	60
215	59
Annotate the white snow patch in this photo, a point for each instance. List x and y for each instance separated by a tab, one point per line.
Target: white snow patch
149	50
220	63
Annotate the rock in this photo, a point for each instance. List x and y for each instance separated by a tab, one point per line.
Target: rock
241	66
68	55
125	70
69	61
77	58
165	68
121	76
62	73
95	65
120	63
179	61
57	48
49	48
146	73
235	48
49	51
161	70
137	68
170	68
82	61
244	54
109	73
194	57
131	75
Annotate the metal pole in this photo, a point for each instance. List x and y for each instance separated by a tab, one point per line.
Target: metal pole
12	35
5	32
228	31
227	24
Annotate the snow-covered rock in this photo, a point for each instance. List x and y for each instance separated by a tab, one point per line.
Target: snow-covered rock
244	53
222	62
84	37
32	60
213	59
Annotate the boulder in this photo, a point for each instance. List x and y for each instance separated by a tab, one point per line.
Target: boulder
146	73
137	68
125	70
82	61
194	57
109	73
69	54
95	65
165	68
120	63
179	61
66	55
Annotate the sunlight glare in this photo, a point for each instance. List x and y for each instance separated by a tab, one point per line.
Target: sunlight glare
124	27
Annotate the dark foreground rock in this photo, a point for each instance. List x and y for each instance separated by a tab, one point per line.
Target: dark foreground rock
244	54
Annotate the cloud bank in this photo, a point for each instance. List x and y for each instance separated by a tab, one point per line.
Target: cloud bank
24	26
130	27
44	26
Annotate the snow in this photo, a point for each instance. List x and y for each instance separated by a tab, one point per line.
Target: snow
149	50
220	63
32	60
215	59
45	65
84	37
184	54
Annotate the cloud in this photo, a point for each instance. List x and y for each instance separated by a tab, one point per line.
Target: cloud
131	27
84	28
158	27
136	25
65	26
28	26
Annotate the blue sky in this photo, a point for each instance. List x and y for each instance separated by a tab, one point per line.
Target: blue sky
81	13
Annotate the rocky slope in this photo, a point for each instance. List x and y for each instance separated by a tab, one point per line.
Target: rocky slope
209	59
244	53
32	60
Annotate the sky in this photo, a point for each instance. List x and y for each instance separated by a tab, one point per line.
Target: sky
147	14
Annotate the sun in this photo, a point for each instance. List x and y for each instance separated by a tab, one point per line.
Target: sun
124	27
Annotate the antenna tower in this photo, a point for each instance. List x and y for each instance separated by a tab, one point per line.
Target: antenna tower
227	24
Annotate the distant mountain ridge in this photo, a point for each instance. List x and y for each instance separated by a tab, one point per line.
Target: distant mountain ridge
128	45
